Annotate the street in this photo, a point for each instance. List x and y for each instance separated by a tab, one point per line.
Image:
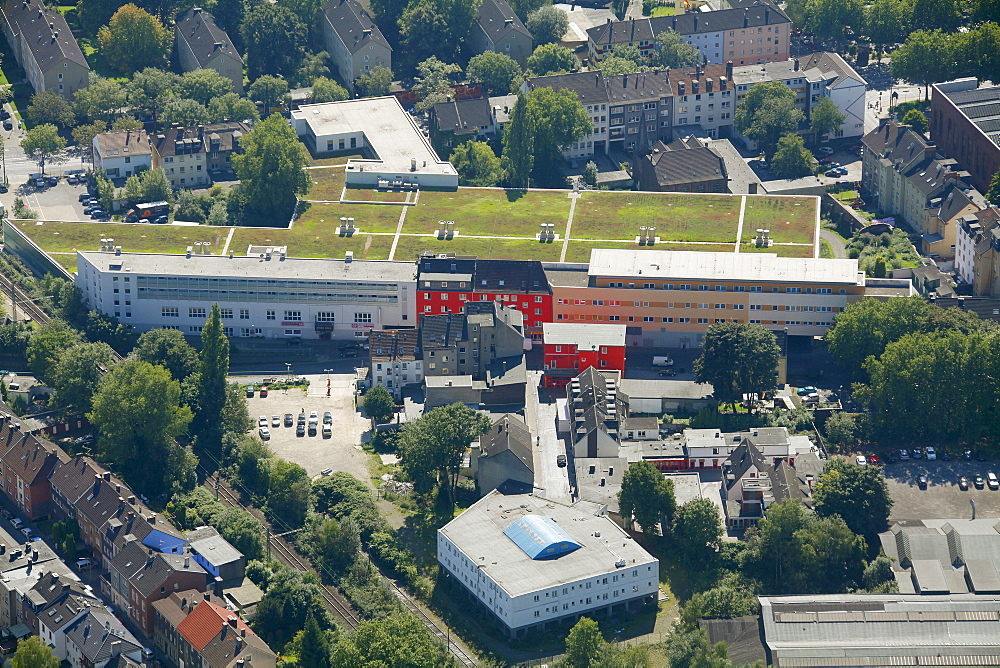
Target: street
540	414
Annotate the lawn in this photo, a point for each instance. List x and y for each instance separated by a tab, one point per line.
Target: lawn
321	218
781	251
579	251
501	249
489	212
365	246
663	11
676	216
340	159
327	184
140	238
371	195
790	219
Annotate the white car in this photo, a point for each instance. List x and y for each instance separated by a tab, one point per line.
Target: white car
825	150
28	533
17	523
991	481
275	420
930	453
327	431
265	433
861	460
262	421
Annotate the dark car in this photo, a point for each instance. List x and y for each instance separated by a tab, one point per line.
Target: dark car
7	125
922	481
52	180
328	418
833	173
561	460
84	197
250	392
4	114
967	455
300	429
288	419
3	187
98	213
159	220
979	482
916	453
312	428
963	483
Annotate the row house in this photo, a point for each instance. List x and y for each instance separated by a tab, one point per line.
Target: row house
468	343
394	359
477	119
571	348
983	235
747	35
25	464
192	628
446	282
751	483
498	28
98	639
190	156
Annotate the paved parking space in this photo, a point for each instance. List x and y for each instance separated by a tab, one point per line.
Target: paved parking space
942	498
315	453
59	202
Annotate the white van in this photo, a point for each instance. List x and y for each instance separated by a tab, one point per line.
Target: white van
662	360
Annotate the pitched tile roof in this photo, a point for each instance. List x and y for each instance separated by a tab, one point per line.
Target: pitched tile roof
353	24
194	140
206	39
221	637
497	19
119	143
463	117
594	87
49	45
73	479
24	453
394	345
522	276
684	161
615	32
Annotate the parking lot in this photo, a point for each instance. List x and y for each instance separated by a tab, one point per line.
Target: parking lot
942	498
338	451
58	202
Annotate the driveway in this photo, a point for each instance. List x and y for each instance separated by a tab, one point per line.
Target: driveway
540	413
836	244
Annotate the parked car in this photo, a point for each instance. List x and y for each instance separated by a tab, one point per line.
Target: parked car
825	150
17	523
328	418
84	564
922	481
52	180
312	428
833	173
250	391
916	454
160	220
3	188
288	419
811	398
314	414
805	391
28	533
874	461
861	461
263	392
262	421
904	454
72	179
300	429
265	433
841	171
991	481
327	431
326	472
963	483
979	482
84	197
98	213
561	460
7	125
275	420
930	453
945	456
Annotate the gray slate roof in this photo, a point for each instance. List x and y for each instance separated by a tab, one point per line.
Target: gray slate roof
463	117
100	636
207	40
497	19
685	161
49	45
353	24
509	433
692	23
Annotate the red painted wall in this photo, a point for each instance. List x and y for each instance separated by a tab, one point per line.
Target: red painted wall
536	309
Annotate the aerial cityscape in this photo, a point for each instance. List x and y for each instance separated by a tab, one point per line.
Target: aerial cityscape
430	333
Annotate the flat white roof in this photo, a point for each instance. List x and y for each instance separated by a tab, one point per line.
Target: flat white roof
479	534
589	336
252	267
389	131
694	265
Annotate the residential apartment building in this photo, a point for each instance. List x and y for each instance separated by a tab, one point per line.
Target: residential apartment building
748	35
447	282
352	39
394	359
498	28
570	348
25	464
595	413
964	124
201	44
190	156
986	254
669	298
684	165
468	343
504	456
224	564
530	562
480	119
265	295
98	639
43	45
122	153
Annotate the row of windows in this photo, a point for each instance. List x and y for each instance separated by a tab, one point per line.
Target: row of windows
271	314
172	294
719	288
685	320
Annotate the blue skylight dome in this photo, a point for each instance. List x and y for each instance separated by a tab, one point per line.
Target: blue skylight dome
540	537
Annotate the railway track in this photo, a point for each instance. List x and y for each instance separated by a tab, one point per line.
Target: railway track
21	301
331	597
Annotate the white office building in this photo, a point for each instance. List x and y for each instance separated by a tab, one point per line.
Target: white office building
266	295
531	561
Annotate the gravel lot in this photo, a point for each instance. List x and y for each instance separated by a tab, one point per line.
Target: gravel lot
315	453
942	498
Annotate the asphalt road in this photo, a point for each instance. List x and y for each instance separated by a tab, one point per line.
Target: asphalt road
540	413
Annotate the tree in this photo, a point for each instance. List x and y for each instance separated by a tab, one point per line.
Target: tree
499	73
204	84
993	194
269	91
523	8
944	15
629	52
375	83
126	123
518	156
887	21
551	59
825	118
273	38
103	99
78	373
32	652
212	382
47	345
590	174
477	164
184	112
271	169
137	413
43	142
768	112
856	493
84	135
288	493
431	448
977	52
315	646
738	359
155	186
925	57
840	429
243	531
289	600
792	159
433	83
831	556
169	349
328	90
584	644
647	496
865	328
134	39
436	28
559	120
230	107
673	52
218	214
827	18
697	531
399	639
151	88
547	24
916	119
312	67
379	404
615	66
48	106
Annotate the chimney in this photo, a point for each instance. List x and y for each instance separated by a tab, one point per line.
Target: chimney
107	475
232	621
767	16
680	87
187	562
795	67
696	23
207	595
184	604
708	84
746	17
729	70
218	587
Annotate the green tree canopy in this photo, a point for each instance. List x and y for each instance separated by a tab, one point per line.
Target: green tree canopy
518	157
673	52
328	90
524	7
433	82
944	15
78	373
243	531
379	404
103	99
887	21
841	429
738	359
916	118
204	84
825	118
43	142
547	24
614	66
543	122
288	493
792	160
290	598
584	644
48	106
32	652
269	90
184	112
151	88
436	28
925	57
271	169
767	113
993	194
314	648
399	639
273	38
477	164
499	73
214	358
551	59
697	530
375	83
169	349
134	39
647	496
232	107
827	18
84	135
856	493
47	345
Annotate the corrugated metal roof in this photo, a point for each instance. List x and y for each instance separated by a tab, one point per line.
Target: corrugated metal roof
540	537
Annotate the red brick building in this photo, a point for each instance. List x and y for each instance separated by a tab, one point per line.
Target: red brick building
445	284
572	348
25	464
963	127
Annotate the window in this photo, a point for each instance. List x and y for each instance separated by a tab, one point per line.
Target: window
293	316
365	318
614	318
228	331
647	318
227	313
793	290
702	321
824	291
325	316
738	307
196	312
244	314
170	312
702	288
685	286
720	306
754	288
270	314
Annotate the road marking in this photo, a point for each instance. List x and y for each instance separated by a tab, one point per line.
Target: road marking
739	228
225	249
